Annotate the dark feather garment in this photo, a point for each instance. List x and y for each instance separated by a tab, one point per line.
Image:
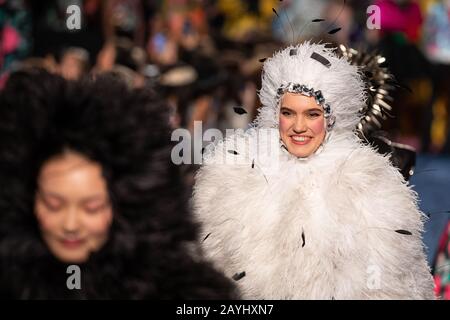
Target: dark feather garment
126	131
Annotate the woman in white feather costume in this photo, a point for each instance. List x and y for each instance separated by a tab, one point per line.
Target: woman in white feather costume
297	207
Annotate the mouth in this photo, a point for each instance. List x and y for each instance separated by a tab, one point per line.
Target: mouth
72	243
300	140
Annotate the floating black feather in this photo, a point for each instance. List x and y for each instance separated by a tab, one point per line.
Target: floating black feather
275	11
238	276
336	18
303	239
334	31
253	164
262	60
233	152
405	232
206	237
239	110
321	59
317	20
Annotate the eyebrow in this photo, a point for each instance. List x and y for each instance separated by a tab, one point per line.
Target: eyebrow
97	197
311	109
49	193
315	109
83	200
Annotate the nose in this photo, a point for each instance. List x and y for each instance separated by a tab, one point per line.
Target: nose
299	125
71	221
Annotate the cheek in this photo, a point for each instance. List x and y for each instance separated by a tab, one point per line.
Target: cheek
99	224
318	126
284	125
47	221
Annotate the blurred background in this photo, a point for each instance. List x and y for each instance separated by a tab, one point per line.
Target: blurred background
205	58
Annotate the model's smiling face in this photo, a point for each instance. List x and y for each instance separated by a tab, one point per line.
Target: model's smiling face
72	207
301	124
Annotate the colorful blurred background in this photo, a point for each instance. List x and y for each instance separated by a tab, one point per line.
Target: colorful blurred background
204	57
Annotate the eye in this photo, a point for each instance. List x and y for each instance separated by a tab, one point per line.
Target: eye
285	112
96	207
52	204
314	114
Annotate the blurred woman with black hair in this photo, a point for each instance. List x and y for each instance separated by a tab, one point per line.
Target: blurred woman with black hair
89	181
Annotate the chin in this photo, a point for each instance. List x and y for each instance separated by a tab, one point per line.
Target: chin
71	257
72	260
301	155
294	150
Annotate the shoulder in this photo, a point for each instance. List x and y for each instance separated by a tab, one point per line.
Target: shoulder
365	165
372	181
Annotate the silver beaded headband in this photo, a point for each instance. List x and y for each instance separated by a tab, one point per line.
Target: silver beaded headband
309	92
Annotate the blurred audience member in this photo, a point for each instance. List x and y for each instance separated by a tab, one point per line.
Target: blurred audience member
441	267
51	34
244	20
74	63
15	32
400	17
161	47
128	20
436	41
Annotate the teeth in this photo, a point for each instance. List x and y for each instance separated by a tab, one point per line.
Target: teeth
296	138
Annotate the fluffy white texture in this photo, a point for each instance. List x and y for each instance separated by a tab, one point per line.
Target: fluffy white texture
341	84
347	201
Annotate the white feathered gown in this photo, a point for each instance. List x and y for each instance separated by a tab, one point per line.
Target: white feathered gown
342	224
